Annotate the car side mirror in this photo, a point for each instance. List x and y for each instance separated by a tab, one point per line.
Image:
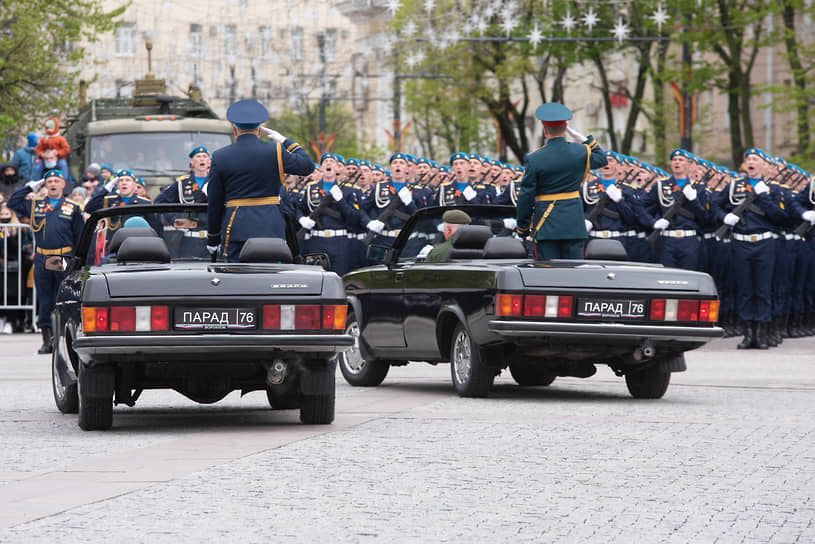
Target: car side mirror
378	254
318	259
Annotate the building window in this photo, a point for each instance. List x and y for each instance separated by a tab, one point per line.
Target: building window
297	43
330	44
126	40
195	40
265	39
230	39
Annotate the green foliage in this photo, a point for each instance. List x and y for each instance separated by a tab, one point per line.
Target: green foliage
41	45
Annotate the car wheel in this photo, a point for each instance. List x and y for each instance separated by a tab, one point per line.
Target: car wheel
289	401
317	409
65	394
317	393
531	376
95	414
649	383
356	369
471	378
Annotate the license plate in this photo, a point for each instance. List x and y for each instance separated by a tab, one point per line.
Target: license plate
215	318
611	308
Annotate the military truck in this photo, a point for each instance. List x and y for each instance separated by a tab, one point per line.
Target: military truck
151	133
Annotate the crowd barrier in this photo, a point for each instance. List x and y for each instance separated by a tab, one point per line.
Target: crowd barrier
16	270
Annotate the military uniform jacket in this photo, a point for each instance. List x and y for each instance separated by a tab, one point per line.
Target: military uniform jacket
244	185
383	193
103	199
592	191
335	215
55	228
549	201
447	194
509	196
771	204
661	197
183	191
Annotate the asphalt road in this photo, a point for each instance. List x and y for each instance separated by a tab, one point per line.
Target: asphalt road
727	456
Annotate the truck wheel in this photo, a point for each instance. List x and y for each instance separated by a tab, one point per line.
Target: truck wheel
65	394
531	376
95	414
649	383
356	369
471	378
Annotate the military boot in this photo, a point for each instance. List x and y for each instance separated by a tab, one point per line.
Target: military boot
785	321
795	326
770	334
761	341
749	335
46	346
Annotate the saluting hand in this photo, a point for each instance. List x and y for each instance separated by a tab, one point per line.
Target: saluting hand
35	185
273	134
576	135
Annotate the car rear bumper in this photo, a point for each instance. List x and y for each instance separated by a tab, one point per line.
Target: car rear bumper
595	331
210	345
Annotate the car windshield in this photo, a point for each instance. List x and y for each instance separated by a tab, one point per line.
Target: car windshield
428	228
153	153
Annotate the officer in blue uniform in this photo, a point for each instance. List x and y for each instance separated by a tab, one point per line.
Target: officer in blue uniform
549	204
119	191
245	178
188	187
752	246
57	224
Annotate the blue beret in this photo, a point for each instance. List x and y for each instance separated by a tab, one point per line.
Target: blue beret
338	158
197	150
475	156
352	162
553	112
247	114
378	167
325	156
410	158
54	173
125	172
682	153
445	169
106	166
139	181
758	152
136	221
434	164
423	160
456	156
363	162
398	155
387	172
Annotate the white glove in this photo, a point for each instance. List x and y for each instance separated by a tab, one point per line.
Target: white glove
375	225
510	223
424	251
405	196
205	188
336	192
469	193
211	249
809	216
109	186
35	185
614	193
273	134
576	135
440	227
761	188
589	225
307	222
731	219
661	224
689	192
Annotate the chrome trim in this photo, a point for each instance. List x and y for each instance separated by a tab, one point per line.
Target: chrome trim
616	330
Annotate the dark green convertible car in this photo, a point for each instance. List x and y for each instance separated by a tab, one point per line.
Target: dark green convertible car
488	306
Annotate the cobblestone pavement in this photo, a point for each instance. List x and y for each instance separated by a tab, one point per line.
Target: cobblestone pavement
727	456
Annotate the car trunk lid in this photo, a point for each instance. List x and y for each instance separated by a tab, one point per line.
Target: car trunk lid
613	276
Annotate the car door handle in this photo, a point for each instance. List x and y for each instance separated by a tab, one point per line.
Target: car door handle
399	276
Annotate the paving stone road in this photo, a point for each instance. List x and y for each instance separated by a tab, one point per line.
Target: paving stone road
727	456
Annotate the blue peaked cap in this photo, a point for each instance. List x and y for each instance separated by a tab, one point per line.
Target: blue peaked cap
246	114
553	112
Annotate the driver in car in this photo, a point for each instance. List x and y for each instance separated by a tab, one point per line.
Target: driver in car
451	221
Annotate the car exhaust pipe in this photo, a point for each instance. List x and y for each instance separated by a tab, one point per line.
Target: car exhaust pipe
644	352
276	372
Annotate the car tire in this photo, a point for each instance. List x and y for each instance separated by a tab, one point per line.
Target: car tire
531	376
65	396
471	378
648	383
95	414
289	401
317	409
358	370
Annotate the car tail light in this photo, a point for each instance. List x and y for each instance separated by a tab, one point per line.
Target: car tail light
271	317
709	310
658	309
307	316
509	305
687	310
534	305
159	318
672	309
94	319
564	306
334	317
122	318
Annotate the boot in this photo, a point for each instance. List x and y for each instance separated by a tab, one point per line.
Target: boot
749	335
778	327
809	324
770	330
46	346
795	326
761	341
785	321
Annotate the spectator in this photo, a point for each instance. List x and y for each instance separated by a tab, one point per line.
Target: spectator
54	140
25	157
10	179
79	195
13	241
48	161
105	173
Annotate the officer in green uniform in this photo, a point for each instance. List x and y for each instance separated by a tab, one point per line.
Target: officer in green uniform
452	219
549	203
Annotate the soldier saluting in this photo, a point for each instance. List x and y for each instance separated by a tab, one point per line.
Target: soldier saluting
549	203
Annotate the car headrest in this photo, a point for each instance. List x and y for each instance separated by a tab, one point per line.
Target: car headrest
135	232
503	247
454	254
605	250
143	250
471	237
265	250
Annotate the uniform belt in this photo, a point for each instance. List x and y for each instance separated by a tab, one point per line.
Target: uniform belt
752	237
261	201
612	233
678	233
356	235
790	236
557	196
709	235
326	233
391	233
58	251
642	235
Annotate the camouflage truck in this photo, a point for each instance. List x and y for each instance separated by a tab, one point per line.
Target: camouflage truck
151	133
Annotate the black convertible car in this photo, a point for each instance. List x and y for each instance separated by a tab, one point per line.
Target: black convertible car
488	306
145	308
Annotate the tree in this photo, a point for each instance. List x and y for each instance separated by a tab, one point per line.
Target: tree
41	45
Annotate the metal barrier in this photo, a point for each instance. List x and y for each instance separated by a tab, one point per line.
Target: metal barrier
13	273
